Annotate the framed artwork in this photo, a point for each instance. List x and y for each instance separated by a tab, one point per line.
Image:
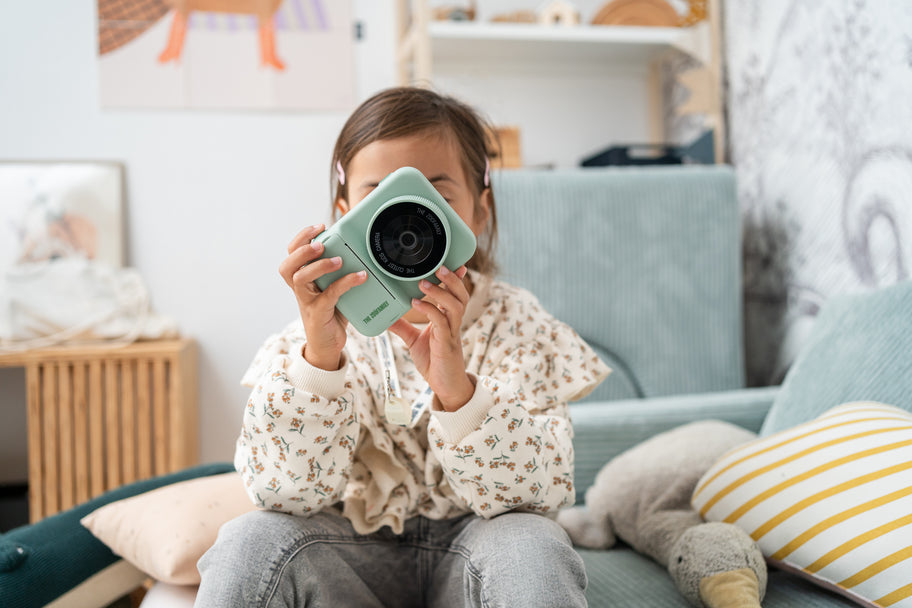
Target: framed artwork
52	210
226	54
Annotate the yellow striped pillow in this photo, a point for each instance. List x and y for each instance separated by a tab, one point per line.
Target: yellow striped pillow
831	498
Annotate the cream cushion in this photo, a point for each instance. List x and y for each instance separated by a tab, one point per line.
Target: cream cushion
163	595
164	532
830	499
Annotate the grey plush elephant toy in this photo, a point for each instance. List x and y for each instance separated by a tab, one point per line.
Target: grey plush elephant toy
643	498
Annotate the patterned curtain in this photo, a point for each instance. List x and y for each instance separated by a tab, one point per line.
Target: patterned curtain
820	128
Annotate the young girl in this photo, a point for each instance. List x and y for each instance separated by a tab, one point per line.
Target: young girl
446	510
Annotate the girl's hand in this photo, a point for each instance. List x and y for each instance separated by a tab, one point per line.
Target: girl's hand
437	350
324	326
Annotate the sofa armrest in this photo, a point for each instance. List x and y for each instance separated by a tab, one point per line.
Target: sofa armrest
604	429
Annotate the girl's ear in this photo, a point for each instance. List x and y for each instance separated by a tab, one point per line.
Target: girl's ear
483	210
342	206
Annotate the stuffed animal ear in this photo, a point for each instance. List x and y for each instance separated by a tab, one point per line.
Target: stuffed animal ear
585	530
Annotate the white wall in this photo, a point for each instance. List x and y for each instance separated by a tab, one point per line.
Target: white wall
564	112
212	197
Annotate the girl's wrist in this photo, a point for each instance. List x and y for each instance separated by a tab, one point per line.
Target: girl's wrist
325	361
452	401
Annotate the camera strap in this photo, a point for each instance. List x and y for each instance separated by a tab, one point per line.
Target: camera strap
396	409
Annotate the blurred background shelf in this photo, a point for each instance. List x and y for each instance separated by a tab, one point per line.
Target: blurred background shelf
469	41
569	90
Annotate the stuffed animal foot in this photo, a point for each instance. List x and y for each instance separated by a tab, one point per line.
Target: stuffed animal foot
586	529
732	589
710	564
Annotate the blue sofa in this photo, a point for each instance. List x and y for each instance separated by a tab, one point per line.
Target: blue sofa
645	264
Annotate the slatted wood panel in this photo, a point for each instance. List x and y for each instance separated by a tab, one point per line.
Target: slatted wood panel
100	418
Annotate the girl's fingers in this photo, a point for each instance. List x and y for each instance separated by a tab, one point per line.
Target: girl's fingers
405	330
454	283
444	301
437	295
305	236
330	296
313	271
451	301
300	257
433	314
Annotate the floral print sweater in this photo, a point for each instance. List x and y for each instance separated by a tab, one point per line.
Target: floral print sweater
313	438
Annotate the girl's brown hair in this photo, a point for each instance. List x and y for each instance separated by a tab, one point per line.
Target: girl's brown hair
408	111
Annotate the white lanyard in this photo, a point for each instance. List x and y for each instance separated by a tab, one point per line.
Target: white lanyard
396	409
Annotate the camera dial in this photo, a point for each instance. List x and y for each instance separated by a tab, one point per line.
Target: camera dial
408	237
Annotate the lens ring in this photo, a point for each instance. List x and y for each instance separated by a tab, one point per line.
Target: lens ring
407	239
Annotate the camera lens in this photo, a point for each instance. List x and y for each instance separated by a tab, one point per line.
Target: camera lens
408	240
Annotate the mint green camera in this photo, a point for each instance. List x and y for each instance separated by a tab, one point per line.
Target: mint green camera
402	232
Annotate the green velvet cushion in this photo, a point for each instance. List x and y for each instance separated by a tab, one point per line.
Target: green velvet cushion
44	560
643	262
859	350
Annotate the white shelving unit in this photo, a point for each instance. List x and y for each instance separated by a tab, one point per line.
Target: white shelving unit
535	43
456	52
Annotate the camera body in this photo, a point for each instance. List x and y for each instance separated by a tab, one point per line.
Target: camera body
402	232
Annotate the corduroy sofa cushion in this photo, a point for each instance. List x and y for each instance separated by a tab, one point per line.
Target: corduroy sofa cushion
623	577
859	350
645	263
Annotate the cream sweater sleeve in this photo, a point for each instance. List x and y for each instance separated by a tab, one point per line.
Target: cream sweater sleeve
299	431
512	458
511	446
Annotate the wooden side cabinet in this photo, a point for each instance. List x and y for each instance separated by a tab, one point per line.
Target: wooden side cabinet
101	417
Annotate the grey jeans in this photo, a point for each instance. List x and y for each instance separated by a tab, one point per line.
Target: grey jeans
270	560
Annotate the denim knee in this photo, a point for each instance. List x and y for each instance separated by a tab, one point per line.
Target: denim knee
522	559
266	559
242	554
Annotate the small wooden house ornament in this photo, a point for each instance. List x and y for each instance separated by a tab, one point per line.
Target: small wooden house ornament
558	12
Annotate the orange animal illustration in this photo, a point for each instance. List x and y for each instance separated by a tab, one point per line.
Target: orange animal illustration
262	9
120	21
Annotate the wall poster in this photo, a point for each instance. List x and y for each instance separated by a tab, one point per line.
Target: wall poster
226	54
